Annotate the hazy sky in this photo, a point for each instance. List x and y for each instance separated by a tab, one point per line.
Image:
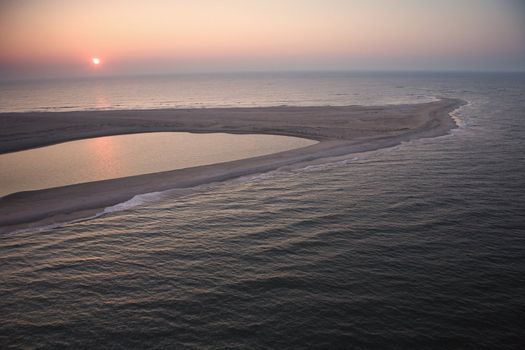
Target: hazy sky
59	37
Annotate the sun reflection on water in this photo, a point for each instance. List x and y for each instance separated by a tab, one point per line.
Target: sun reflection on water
105	158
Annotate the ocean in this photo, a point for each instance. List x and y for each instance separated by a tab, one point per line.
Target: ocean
419	246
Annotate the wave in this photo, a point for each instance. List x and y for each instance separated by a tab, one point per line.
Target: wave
458	116
137	200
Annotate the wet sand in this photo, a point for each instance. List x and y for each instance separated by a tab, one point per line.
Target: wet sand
340	130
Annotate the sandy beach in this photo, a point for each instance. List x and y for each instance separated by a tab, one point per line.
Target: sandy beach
339	130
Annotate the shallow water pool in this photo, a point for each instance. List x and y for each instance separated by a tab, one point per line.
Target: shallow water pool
111	157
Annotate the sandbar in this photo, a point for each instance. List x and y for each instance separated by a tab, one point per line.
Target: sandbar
340	130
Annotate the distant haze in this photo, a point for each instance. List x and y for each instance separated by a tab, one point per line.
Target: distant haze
59	38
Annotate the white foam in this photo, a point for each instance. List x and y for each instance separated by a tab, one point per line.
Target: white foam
330	163
137	200
256	177
459	118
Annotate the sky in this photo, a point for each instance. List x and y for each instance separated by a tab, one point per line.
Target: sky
59	38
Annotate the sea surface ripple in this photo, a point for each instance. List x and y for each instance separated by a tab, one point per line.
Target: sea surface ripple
420	246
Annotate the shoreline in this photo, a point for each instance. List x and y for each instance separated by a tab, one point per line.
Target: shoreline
339	130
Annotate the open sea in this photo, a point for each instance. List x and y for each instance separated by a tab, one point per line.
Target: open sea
419	246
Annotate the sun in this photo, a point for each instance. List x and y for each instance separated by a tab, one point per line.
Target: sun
96	61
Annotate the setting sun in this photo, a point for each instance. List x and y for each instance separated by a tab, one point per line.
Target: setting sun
301	173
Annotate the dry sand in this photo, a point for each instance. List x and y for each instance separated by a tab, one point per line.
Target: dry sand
340	130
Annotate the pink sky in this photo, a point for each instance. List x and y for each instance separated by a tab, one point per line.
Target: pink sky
59	37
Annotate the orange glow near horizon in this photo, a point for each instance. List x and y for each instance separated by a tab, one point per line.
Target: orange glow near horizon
96	61
257	34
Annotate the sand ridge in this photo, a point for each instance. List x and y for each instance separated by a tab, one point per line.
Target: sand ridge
340	130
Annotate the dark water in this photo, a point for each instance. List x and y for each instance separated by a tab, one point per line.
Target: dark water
421	246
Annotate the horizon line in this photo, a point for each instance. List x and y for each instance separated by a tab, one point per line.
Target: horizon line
263	71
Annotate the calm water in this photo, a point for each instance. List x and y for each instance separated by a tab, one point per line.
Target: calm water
219	90
111	157
421	246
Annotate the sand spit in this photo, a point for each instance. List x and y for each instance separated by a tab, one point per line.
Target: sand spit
340	130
